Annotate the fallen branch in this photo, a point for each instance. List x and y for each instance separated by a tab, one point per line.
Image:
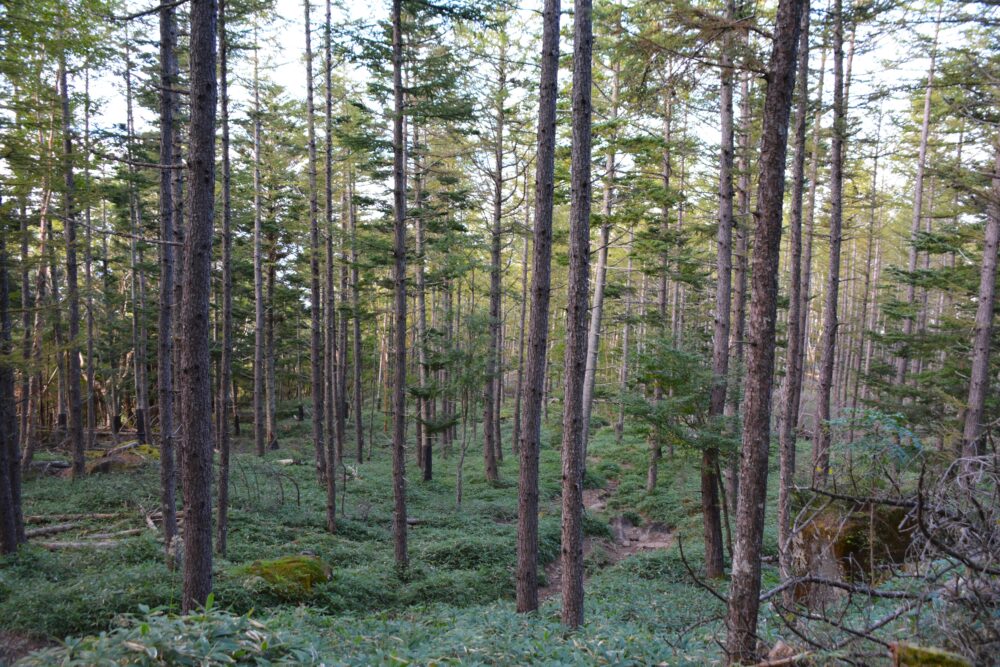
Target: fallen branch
120	533
851	588
46	518
51	530
53	546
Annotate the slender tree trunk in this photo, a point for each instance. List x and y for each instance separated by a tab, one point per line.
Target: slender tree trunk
979	379
741	642
490	417
711	518
88	274
426	442
27	306
601	273
576	322
196	384
399	292
315	345
828	345
918	204
534	381
334	440
260	434
225	399
359	435
521	331
73	371
165	335
793	356
626	331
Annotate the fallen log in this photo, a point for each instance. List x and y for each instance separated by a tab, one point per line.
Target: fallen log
94	544
46	518
51	530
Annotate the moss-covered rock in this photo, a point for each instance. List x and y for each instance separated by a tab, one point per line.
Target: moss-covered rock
290	577
909	655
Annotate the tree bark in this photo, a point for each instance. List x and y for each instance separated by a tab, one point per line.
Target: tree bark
196	389
165	340
793	356
260	434
534	382
359	434
225	398
979	379
334	437
315	251
10	491
828	344
399	296
601	273
73	371
741	642
576	321
711	516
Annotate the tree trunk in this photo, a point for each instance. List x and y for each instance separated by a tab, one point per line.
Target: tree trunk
359	435
979	379
88	275
334	435
626	331
534	381
10	491
576	322
828	345
226	361
601	273
399	294
741	642
711	517
315	309
918	204
73	371
793	357
165	334
260	434
196	385
521	332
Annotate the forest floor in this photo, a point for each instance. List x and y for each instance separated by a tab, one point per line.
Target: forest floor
453	604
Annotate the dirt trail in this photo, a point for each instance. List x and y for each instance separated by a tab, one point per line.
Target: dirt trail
628	539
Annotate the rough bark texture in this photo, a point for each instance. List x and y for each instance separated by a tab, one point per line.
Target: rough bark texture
196	387
793	357
534	381
576	321
979	380
828	344
10	491
334	439
399	295
165	342
741	642
225	397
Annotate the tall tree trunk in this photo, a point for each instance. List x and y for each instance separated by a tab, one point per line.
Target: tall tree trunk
27	306
490	417
828	345
601	273
399	295
541	277
359	434
576	321
10	487
979	379
315	251
88	274
260	434
918	206
334	440
165	334
521	331
226	361
793	352
196	384
741	642
711	517
626	331
425	442
73	371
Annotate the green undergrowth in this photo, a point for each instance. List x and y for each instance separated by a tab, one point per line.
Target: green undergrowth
452	604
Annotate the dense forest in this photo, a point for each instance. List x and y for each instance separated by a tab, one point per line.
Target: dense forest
447	332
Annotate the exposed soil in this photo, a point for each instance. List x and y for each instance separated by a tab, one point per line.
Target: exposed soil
628	539
13	646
